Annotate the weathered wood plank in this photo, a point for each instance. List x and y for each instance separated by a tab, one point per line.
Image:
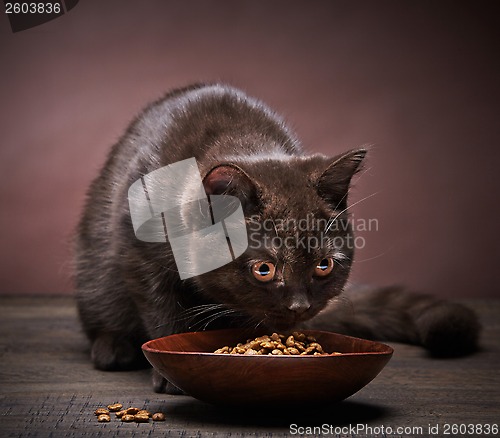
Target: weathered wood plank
48	386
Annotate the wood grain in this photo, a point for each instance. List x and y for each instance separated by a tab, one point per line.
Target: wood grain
48	385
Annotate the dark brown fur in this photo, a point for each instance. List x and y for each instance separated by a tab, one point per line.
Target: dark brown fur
129	291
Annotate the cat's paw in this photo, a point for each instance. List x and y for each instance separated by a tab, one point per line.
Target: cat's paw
162	385
114	352
449	329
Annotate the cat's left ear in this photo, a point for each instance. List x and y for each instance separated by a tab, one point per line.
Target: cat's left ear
333	184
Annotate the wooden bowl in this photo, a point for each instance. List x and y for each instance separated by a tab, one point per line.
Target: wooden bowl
187	360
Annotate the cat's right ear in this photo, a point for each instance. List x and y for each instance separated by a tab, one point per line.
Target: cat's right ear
229	179
333	184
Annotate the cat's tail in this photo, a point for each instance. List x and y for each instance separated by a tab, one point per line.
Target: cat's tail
395	314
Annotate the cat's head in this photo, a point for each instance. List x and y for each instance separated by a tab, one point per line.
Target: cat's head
300	240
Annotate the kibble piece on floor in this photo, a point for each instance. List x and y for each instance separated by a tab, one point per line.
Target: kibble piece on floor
144	412
141	418
119	414
127	418
115	407
159	416
103	418
101	411
132	411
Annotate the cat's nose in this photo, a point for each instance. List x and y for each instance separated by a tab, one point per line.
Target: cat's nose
299	306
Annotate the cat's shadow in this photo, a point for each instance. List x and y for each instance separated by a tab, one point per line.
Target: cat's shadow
338	414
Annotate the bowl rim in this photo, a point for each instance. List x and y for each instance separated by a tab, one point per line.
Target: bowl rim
388	350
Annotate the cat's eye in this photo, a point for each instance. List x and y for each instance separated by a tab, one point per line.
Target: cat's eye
263	271
324	267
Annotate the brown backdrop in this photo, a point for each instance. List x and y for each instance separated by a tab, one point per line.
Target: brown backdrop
417	80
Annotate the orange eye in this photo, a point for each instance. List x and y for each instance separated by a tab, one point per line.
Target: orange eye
324	267
263	271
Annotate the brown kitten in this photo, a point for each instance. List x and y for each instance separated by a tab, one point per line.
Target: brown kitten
129	291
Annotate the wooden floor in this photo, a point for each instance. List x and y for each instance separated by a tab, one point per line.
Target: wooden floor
49	388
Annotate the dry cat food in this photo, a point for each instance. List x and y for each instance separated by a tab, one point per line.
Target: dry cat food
127	415
296	344
159	416
115	407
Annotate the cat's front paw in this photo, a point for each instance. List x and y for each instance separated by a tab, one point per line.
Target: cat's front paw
162	385
114	352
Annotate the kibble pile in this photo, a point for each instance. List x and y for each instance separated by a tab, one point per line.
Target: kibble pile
127	415
278	344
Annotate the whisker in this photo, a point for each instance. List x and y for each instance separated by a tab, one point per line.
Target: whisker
193	312
341	199
219	315
259	323
203	308
374	257
275	228
331	222
211	318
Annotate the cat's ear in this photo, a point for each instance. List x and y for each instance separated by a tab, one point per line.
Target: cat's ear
229	179
333	184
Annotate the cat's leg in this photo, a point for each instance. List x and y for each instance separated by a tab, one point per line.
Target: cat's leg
162	385
159	327
115	333
110	320
394	314
115	351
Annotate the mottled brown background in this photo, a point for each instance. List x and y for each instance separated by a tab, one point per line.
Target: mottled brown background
419	80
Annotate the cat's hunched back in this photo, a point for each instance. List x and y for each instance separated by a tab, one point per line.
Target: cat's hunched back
129	291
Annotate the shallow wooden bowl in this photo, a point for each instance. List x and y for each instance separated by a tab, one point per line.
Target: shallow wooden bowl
187	360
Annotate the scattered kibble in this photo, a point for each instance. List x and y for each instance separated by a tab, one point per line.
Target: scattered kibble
127	415
141	418
115	407
159	416
278	345
101	411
